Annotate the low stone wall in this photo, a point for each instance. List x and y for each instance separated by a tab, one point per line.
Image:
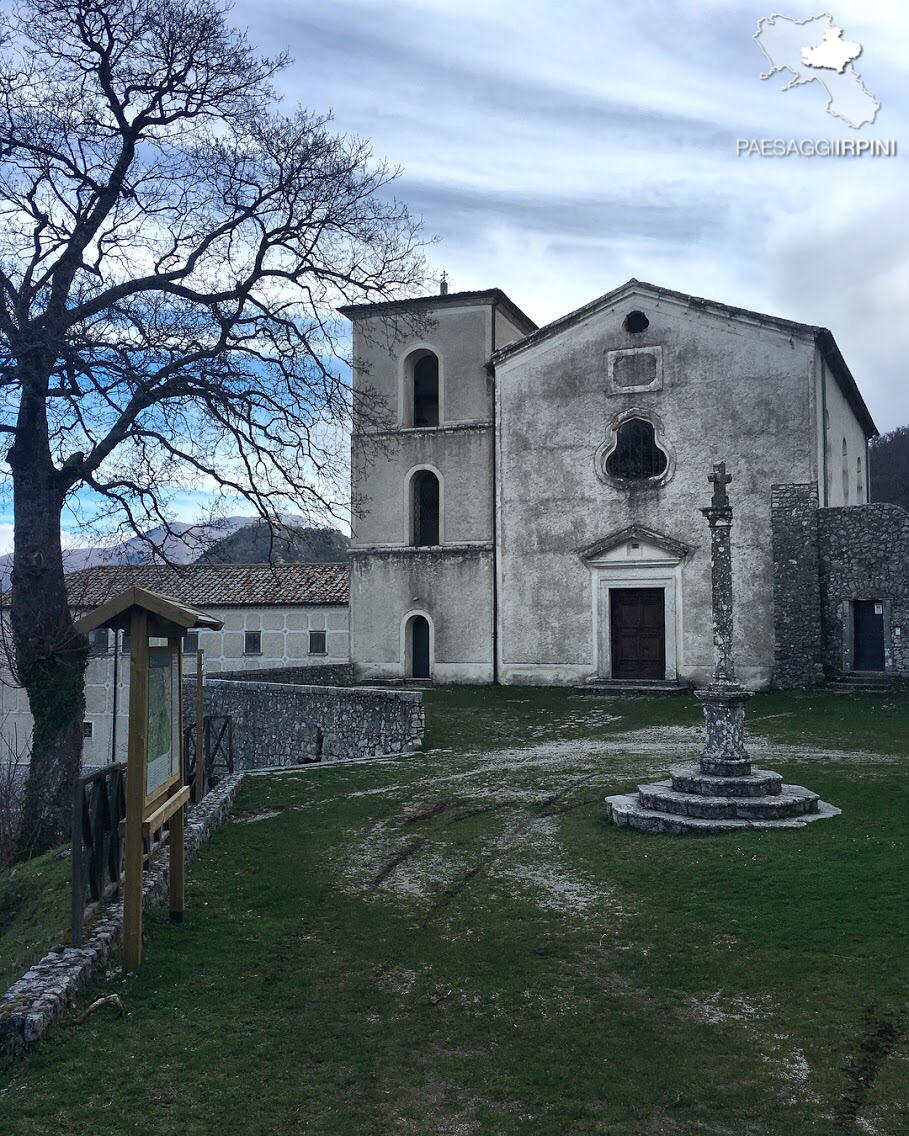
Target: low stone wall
339	674
44	993
282	724
864	555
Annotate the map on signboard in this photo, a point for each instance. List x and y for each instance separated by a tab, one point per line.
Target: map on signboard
814	51
163	748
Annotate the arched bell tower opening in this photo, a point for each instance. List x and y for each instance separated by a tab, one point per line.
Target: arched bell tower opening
425	509
421	394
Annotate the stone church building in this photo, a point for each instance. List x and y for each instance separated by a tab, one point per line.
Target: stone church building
532	512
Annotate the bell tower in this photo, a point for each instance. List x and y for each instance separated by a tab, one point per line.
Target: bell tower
423	590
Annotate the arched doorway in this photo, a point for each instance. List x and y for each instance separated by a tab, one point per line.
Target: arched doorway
419	647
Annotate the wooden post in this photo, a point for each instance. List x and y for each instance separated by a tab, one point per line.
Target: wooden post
176	822
78	879
137	774
200	717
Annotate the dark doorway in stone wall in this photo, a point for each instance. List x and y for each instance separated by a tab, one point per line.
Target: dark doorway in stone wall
419	647
638	633
868	616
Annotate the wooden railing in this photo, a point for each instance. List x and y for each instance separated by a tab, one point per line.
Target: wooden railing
97	852
99	806
218	748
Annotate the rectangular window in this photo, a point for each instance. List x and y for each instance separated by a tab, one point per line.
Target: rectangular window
190	642
252	643
317	643
98	641
88	730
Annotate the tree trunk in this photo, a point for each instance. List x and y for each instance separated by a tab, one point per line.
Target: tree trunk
50	657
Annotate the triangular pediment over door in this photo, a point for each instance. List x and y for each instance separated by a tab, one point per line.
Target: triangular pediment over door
636	570
634	544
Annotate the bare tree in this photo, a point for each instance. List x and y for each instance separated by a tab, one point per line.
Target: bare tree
172	249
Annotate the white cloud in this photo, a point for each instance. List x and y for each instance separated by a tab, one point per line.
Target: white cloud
558	150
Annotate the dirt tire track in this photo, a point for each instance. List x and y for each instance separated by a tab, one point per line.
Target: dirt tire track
880	1039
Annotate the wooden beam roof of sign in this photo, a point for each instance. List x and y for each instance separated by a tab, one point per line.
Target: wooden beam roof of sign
117	611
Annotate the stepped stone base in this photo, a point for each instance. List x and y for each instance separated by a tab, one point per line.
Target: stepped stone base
755	783
628	811
620	687
789	801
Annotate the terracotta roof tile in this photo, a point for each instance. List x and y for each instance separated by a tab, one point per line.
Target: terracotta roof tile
216	585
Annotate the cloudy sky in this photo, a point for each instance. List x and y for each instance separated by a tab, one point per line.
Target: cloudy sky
559	148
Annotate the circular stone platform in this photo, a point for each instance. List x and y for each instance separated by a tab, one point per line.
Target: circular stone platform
661	807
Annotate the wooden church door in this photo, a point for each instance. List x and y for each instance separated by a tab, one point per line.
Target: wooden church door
638	633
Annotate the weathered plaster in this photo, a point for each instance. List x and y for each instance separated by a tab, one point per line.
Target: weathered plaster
730	391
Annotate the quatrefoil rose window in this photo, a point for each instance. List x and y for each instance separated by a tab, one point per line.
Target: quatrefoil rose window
634	454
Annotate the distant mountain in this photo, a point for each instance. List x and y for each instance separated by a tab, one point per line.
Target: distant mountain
890	467
183	545
291	544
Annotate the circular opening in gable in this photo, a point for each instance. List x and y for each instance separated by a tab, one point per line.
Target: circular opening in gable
636	322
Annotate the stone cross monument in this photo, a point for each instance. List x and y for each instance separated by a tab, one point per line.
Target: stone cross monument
724	753
722	792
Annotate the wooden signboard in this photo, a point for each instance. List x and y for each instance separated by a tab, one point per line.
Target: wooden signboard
155	789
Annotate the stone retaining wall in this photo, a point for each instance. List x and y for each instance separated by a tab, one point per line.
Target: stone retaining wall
864	555
282	724
44	993
796	585
823	560
340	674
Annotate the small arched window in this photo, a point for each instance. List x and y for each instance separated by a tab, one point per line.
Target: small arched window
426	390
425	508
859	483
845	471
636	456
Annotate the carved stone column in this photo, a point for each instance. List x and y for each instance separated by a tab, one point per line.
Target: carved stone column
724	753
723	793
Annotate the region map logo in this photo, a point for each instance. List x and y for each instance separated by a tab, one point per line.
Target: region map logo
814	51
817	56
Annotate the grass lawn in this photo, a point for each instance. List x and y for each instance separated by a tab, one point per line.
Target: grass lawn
457	942
34	913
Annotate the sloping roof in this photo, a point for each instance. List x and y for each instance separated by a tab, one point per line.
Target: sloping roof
488	295
216	585
821	335
164	610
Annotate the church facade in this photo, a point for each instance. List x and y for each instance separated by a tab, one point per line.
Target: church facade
529	513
